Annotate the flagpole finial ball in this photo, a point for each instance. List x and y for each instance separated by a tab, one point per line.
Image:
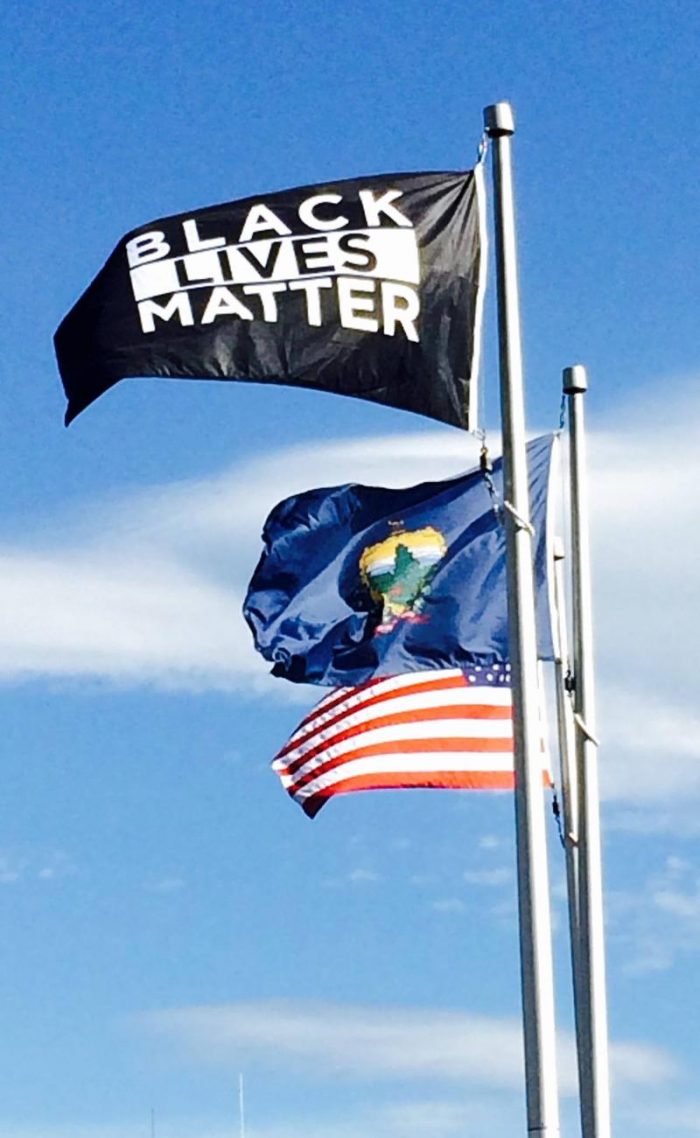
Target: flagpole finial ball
574	379
499	120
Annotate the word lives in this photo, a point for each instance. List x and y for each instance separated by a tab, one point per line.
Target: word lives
361	271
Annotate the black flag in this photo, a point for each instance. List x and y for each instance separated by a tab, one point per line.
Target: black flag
369	287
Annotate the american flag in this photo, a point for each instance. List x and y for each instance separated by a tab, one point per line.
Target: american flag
438	728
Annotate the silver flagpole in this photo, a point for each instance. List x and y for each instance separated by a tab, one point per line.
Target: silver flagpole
593	1049
569	792
567	745
533	887
241	1111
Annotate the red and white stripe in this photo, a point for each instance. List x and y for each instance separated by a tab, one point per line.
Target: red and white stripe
423	729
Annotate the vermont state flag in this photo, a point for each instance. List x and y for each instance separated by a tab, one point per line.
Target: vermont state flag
358	582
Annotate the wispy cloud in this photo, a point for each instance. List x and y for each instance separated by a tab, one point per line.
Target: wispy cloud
407	1119
449	905
659	922
363	876
646	542
644	731
498	1114
665	1118
56	866
381	1044
490	842
11	869
147	590
45	866
164	885
489	878
441	1118
358	876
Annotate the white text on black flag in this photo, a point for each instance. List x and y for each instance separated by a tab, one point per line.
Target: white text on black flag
248	271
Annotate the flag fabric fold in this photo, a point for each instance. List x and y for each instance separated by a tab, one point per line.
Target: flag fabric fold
437	729
370	287
359	582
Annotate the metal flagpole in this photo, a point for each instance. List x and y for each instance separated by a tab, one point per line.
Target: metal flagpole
533	888
241	1112
593	1048
567	745
569	792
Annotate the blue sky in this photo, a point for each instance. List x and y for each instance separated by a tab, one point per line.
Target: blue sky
168	917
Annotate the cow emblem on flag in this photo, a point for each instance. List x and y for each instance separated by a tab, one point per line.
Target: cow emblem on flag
398	571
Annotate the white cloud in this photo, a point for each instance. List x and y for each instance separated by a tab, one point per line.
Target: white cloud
421	880
449	905
363	876
148	589
165	885
354	877
679	818
490	842
443	1118
35	866
109	614
413	1119
498	1115
646	543
11	870
138	1128
659	922
382	1043
661	1118
490	878
643	733
56	866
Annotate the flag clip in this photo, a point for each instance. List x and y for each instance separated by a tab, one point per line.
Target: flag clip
521	522
581	724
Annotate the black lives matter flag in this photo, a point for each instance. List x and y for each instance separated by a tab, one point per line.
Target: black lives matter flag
369	287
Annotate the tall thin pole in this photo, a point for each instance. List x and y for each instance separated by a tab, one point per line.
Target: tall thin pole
567	742
569	792
537	981
593	1048
241	1110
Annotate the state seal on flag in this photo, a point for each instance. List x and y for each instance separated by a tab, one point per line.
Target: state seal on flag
398	571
